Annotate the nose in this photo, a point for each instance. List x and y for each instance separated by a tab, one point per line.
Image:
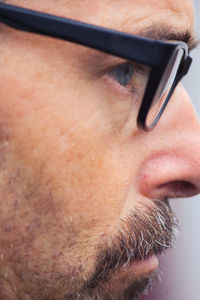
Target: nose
172	166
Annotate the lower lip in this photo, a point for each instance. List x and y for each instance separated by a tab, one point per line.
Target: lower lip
145	267
135	270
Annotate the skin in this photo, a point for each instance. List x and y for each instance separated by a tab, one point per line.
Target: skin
70	166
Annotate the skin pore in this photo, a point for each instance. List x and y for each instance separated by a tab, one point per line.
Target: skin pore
83	190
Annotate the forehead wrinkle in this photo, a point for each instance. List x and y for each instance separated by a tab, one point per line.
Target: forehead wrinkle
173	4
145	16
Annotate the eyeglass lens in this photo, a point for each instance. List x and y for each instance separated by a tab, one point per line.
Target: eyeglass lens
164	88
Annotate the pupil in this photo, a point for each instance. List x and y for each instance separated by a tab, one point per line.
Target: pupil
123	73
126	69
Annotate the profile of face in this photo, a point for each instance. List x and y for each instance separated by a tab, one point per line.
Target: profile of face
84	208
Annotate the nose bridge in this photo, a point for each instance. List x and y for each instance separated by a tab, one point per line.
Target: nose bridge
178	122
187	107
180	113
178	127
181	126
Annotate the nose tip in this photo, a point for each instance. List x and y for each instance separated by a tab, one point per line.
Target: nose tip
169	176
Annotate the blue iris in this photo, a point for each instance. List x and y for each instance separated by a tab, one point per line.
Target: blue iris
123	73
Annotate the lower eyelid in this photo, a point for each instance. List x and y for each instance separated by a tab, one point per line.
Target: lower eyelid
111	83
125	93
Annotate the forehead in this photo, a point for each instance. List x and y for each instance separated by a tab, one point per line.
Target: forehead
120	14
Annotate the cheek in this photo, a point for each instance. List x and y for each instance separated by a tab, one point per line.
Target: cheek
74	172
71	187
64	149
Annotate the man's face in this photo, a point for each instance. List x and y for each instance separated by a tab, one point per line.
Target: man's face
84	209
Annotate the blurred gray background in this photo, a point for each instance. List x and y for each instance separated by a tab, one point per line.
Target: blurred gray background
181	266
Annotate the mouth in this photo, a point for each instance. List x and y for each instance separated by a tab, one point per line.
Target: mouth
134	271
128	281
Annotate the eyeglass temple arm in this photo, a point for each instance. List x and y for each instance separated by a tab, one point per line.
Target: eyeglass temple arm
103	39
15	25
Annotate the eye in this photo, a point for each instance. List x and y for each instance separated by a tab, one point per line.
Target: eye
123	73
131	79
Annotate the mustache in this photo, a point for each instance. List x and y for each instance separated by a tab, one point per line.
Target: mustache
148	230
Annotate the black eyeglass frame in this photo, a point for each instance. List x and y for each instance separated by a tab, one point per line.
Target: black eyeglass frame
156	54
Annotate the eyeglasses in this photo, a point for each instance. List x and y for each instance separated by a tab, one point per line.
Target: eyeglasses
162	64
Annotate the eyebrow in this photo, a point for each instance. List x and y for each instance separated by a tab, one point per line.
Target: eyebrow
166	33
156	32
169	34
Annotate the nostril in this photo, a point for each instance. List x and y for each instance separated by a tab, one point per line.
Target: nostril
178	189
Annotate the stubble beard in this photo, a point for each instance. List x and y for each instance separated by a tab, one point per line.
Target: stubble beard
148	231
